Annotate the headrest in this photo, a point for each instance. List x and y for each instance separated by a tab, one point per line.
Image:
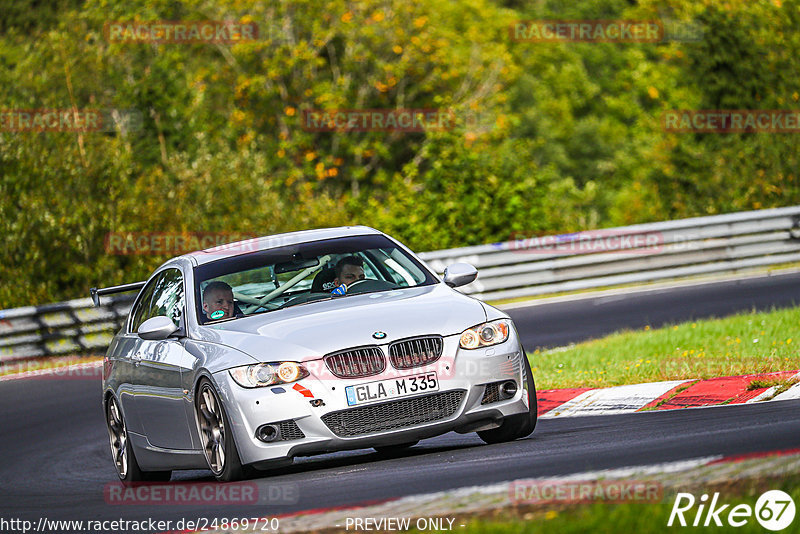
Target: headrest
323	281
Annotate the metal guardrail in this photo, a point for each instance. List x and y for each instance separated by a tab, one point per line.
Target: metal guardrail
70	327
718	244
521	267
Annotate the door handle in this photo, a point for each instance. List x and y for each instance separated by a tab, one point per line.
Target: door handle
137	358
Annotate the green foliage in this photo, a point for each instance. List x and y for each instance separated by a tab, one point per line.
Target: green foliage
548	137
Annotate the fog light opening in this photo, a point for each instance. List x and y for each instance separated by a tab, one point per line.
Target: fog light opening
267	433
508	389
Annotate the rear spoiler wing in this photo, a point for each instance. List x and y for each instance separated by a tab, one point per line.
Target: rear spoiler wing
95	292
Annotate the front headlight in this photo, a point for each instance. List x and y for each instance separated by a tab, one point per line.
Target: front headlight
268	374
485	335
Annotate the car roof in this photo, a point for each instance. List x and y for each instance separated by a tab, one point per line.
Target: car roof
237	248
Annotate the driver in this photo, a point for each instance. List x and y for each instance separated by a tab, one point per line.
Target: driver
218	297
348	270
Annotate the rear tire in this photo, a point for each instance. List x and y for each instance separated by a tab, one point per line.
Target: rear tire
127	467
216	435
519	425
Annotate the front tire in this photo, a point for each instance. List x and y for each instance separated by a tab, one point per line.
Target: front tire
127	467
519	425
216	436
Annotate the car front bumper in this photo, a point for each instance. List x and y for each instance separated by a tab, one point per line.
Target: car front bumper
317	407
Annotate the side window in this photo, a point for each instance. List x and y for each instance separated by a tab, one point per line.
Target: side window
168	296
369	270
162	296
404	272
142	310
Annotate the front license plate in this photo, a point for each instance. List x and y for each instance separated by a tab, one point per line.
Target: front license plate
391	388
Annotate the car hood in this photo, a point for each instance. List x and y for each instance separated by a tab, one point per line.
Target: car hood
309	331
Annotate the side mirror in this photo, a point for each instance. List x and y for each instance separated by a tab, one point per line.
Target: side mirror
459	274
157	328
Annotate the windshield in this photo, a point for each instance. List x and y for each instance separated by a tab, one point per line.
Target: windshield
305	273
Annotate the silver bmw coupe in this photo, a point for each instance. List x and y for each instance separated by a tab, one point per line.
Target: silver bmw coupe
241	357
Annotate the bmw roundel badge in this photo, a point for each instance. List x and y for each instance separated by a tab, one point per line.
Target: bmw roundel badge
379	335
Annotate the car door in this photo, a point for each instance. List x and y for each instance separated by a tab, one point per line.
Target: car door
127	354
160	396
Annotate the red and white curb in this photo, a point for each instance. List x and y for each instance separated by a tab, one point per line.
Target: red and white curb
791	393
614	400
669	395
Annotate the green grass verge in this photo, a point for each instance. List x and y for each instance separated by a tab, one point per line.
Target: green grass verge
741	344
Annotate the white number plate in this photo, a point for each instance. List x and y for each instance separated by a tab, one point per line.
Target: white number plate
391	388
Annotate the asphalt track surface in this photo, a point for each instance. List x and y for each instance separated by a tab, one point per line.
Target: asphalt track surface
55	462
561	323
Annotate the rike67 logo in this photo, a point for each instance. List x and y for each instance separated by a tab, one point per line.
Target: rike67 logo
774	510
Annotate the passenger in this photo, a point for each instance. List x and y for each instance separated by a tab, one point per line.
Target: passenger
218	296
